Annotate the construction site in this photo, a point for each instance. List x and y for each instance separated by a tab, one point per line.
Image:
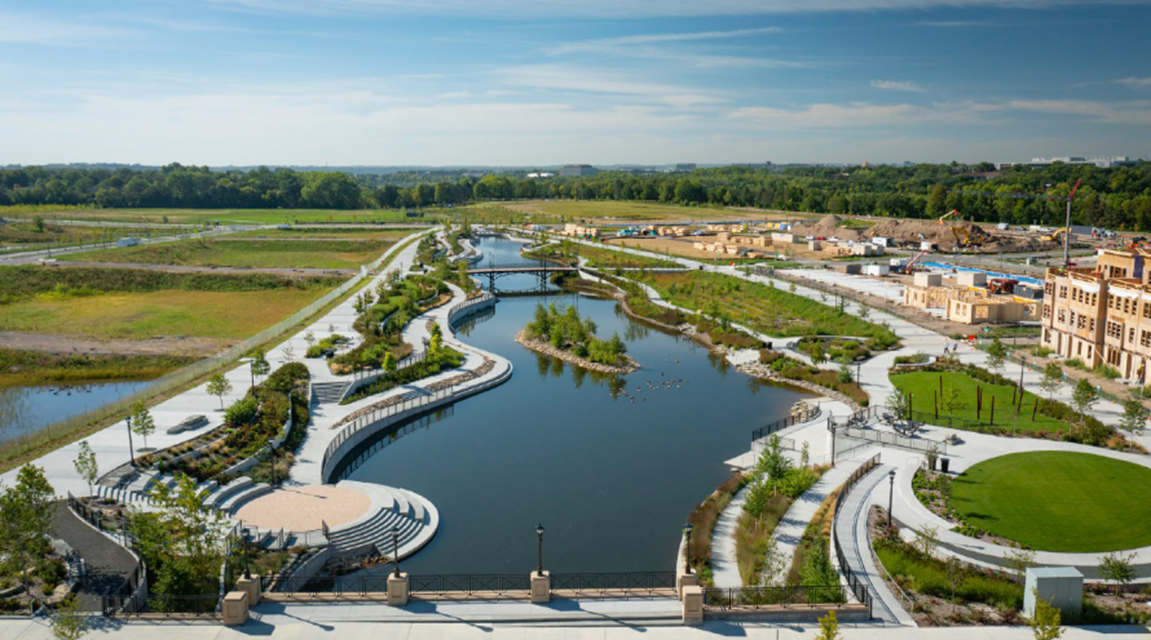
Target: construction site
949	234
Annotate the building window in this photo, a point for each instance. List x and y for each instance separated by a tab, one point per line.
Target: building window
1146	310
1145	338
1062	292
1131	335
1114	330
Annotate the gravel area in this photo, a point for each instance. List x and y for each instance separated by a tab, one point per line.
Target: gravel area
303	508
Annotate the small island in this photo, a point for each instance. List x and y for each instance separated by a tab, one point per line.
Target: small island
567	336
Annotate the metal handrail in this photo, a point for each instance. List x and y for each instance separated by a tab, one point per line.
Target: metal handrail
858	588
784	423
756	597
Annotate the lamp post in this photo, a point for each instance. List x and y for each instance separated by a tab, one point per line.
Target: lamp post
539	550
131	452
396	549
247	554
890	497
687	555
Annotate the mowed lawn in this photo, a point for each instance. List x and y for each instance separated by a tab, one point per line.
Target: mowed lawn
209	314
251	252
921	385
1058	501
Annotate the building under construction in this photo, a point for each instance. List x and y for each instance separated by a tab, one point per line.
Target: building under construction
968	299
1101	315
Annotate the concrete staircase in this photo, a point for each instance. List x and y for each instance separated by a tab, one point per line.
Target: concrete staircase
415	519
228	498
330	392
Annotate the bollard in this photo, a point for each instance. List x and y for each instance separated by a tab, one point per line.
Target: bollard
250	586
692	605
235	608
398	590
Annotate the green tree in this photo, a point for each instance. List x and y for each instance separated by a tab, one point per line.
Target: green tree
1134	418
898	404
86	466
950	401
389	363
68	622
219	386
259	366
996	355
38	224
1045	624
1118	568
1084	397
183	540
142	423
25	520
1019	560
1052	379
829	627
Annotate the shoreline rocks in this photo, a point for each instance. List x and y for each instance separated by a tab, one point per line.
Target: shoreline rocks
547	349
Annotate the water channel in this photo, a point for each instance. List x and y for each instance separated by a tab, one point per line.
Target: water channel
610	469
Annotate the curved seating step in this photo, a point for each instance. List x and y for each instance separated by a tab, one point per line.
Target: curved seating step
394	512
238	498
218	497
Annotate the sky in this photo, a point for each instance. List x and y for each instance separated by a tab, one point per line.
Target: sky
512	83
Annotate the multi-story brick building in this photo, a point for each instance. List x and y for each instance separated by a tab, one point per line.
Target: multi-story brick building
1101	315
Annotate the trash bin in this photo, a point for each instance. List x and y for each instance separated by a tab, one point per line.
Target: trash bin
944	464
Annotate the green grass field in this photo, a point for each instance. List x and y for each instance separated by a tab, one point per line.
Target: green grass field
921	384
1058	501
773	311
229	216
139	316
251	252
598	257
338	233
623	211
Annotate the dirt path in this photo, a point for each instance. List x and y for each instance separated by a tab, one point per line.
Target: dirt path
179	268
158	346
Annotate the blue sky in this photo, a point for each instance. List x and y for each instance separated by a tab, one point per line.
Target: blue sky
474	82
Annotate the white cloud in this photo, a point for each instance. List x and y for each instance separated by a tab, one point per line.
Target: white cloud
23	29
858	114
897	85
655	38
1138	112
624	9
559	77
1136	83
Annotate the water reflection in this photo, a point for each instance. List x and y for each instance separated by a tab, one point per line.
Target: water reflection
26	410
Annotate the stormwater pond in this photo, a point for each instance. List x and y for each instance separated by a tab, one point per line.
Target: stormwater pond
610	467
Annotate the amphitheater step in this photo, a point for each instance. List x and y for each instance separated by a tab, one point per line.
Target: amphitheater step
330	392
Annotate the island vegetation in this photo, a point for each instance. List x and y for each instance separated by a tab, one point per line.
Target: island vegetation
573	338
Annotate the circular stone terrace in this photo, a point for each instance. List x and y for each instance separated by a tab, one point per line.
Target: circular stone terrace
305	508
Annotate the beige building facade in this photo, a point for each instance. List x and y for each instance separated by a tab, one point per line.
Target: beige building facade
1101	315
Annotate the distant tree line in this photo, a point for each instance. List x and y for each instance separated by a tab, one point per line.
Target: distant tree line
1118	198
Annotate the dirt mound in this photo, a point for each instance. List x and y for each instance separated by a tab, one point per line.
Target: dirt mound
827	227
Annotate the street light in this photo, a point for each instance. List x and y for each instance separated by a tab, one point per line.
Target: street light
131	453
540	549
890	497
396	549
247	554
687	556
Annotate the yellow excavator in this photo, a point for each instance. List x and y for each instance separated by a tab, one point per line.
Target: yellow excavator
963	237
1055	235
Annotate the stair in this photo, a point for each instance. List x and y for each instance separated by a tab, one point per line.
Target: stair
218	497
232	503
414	519
330	392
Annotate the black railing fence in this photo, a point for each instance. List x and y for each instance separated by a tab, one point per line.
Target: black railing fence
858	587
756	597
779	425
646	583
195	606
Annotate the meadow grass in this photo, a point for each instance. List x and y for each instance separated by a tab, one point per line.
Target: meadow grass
247	253
139	316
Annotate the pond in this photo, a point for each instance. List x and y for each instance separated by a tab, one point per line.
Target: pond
26	410
610	466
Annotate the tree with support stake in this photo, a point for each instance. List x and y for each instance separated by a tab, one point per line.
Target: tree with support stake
219	386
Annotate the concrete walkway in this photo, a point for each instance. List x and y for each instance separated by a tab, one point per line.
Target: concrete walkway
724	567
108	563
789	532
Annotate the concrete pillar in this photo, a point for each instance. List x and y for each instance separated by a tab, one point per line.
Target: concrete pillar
1061	586
541	587
251	586
693	605
685	579
235	608
398	589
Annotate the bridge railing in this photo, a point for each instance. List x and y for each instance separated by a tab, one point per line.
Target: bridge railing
858	586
